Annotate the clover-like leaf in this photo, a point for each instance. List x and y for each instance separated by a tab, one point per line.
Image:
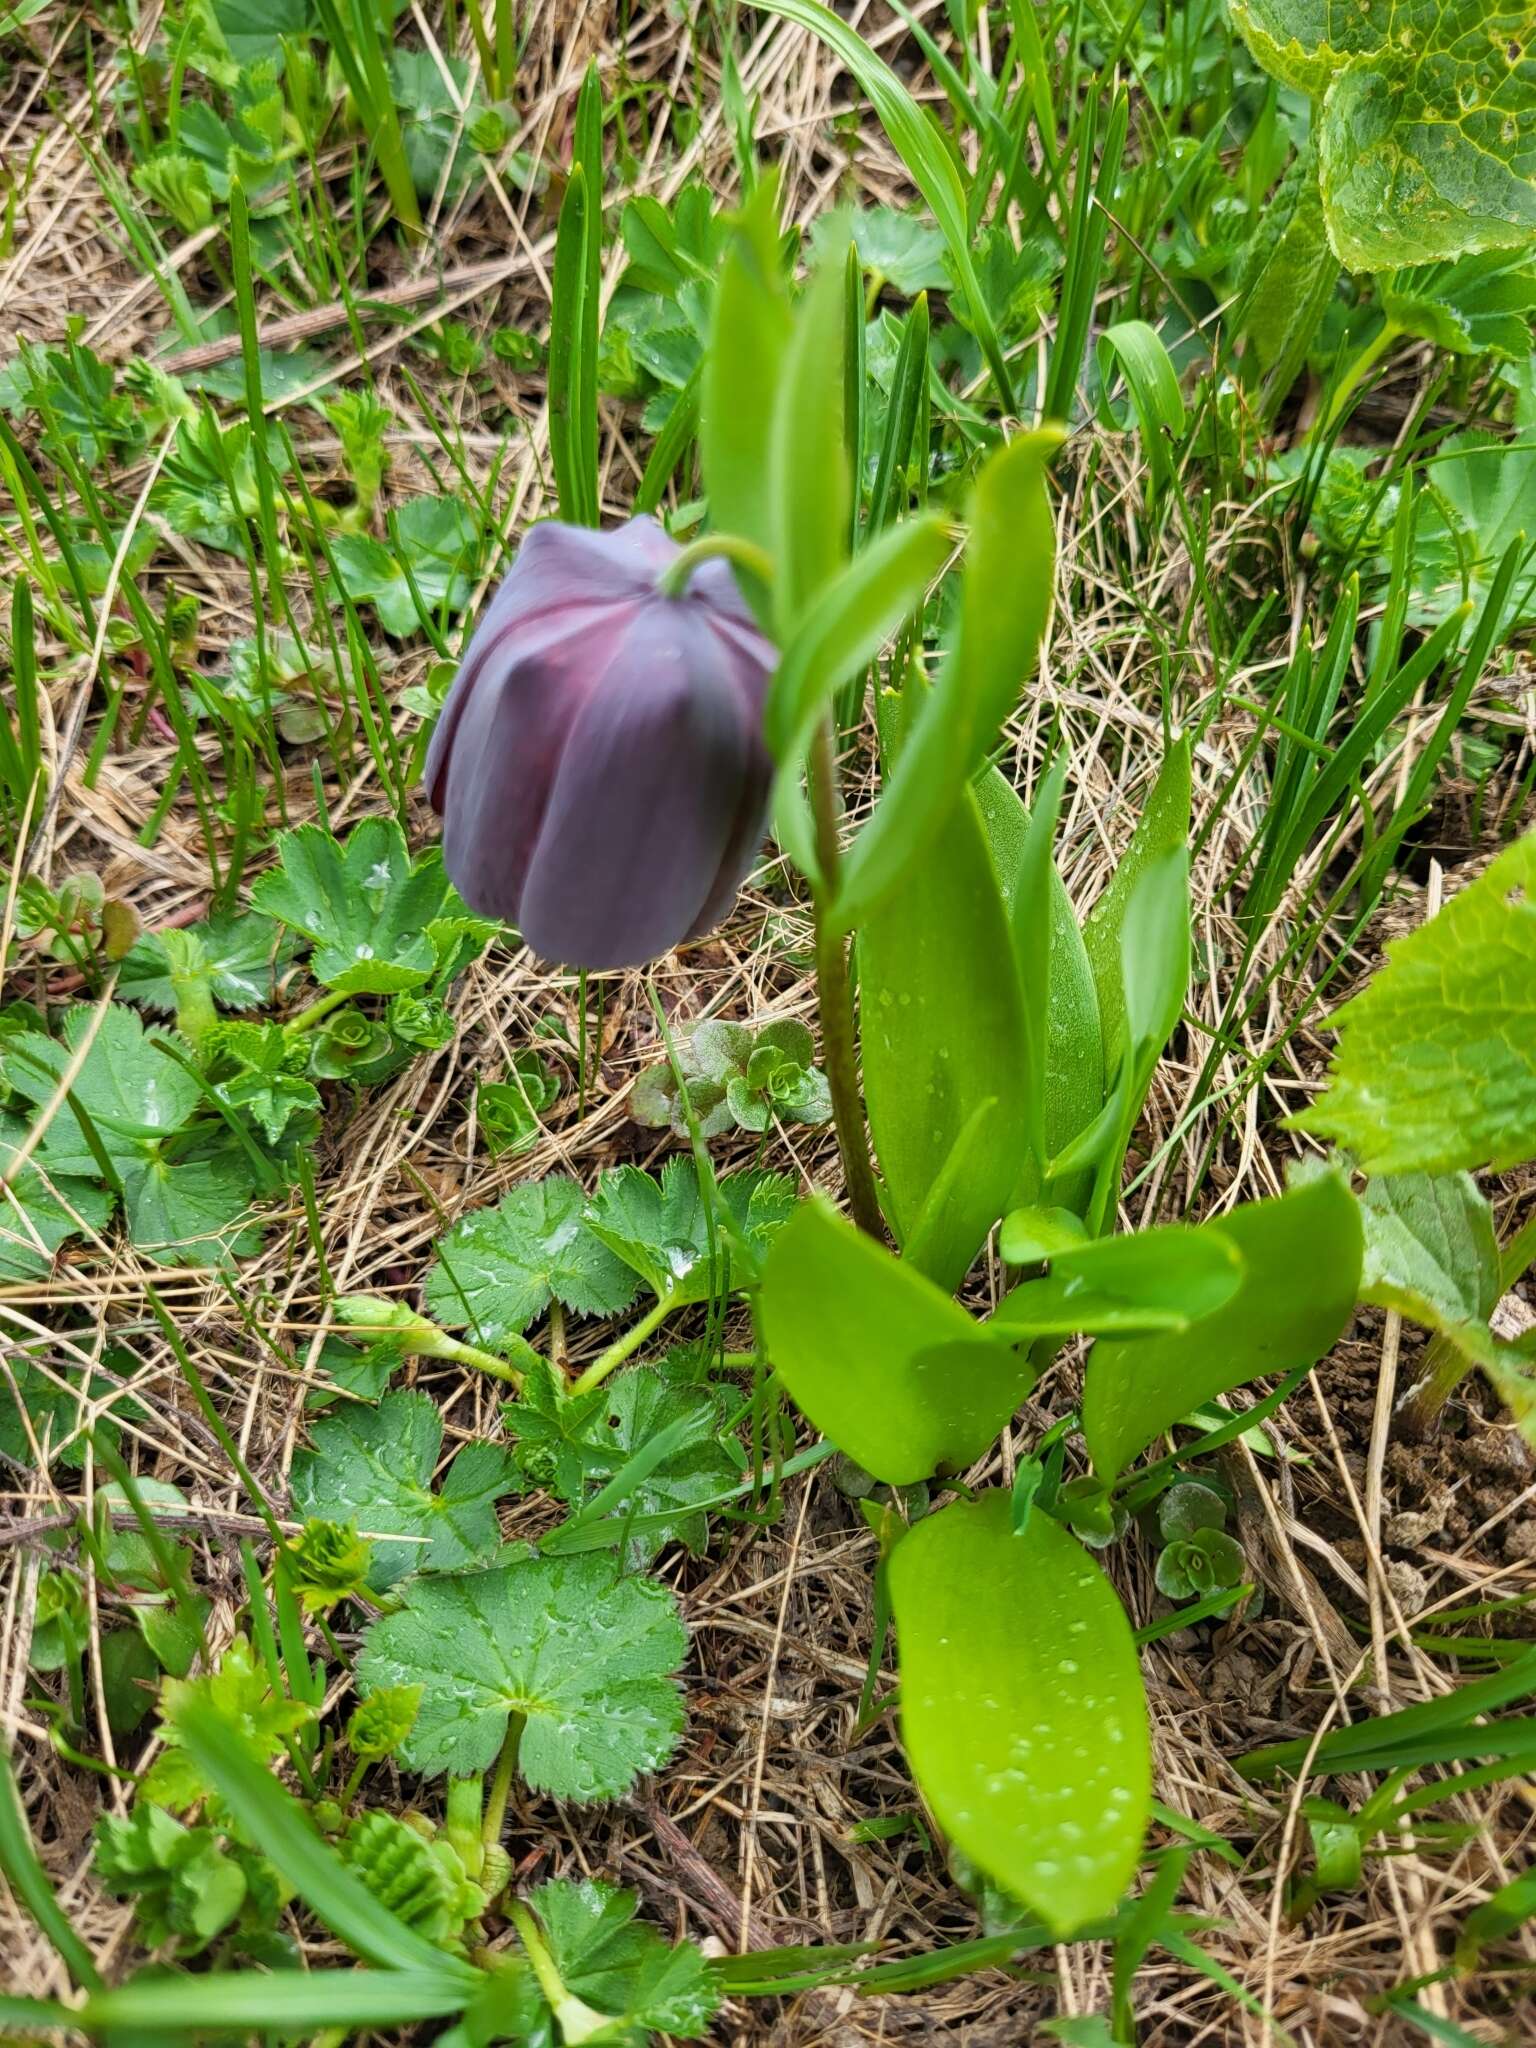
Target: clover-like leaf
497	1269
1427	123
380	921
586	1659
373	1467
1435	1068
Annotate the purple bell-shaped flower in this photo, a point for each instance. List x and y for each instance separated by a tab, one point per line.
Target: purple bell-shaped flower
599	765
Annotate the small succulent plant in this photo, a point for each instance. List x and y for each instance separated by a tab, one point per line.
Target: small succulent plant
736	1076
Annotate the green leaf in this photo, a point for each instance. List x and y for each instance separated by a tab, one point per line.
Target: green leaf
1479	501
880	1359
581	1445
807	481
942	1031
241	955
374	1467
1290	275
126	1086
847	625
41	1211
895	247
1136	1388
1139	354
586	1658
1162	828
1430	1249
1005	600
1022	1711
380	921
1427	121
497	1269
273	1817
1435	1068
437	538
1160	1279
743	370
919	145
620	1968
1480	305
189	1213
660	1229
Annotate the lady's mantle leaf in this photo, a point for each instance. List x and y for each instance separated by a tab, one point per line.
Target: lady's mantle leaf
381	922
1427	126
588	1660
621	1968
1436	1063
239	958
661	1228
374	1466
498	1269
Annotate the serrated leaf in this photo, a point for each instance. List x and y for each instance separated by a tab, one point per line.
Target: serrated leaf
578	1444
661	1228
40	1211
191	1213
1427	123
380	921
241	956
622	1969
374	1467
1480	305
126	1086
1435	1068
439	539
1430	1248
1479	499
499	1268
588	1660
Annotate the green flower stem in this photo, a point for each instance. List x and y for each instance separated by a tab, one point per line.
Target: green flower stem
746	554
621	1348
331	1000
835	997
1358	370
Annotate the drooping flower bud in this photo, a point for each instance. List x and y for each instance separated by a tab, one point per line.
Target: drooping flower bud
599	765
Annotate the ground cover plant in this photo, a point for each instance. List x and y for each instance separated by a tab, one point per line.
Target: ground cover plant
805	1314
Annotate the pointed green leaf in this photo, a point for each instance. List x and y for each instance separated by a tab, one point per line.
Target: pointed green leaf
1162	828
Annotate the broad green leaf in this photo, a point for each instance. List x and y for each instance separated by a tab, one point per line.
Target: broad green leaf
881	1360
240	957
1430	1249
621	1968
1161	1279
807	481
1479	305
1435	1069
1301	1270
497	1269
374	1467
1290	276
440	541
380	921
848	625
1074	1048
894	246
743	369
941	1031
1005	600
39	1211
1022	1710
1139	354
1162	827
1427	125
188	1214
917	142
587	1659
126	1086
1478	500
660	1229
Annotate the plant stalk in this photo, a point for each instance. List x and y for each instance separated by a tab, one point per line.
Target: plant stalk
620	1349
835	996
674	579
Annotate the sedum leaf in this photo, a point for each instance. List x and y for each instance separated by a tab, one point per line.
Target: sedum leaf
1435	1068
1021	1706
499	1268
1427	122
374	1466
588	1660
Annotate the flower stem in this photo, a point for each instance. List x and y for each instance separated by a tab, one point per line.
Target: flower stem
501	1783
620	1349
331	1000
673	580
835	996
1358	370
